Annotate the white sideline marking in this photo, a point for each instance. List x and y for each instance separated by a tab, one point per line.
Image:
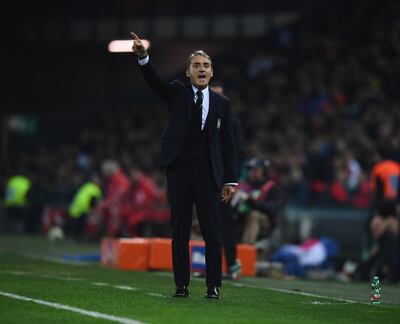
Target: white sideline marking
72	309
69	278
55	259
42	275
155	294
317	302
235	284
100	284
96	283
302	293
123	287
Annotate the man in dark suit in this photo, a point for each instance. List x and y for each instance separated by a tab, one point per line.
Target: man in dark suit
198	152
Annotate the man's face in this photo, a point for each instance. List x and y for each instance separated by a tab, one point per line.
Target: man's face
256	174
200	71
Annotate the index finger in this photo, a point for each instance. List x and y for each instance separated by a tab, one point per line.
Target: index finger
135	36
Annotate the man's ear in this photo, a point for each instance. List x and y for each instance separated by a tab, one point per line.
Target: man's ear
187	73
212	72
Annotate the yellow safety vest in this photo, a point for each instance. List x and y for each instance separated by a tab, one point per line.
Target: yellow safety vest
81	203
17	189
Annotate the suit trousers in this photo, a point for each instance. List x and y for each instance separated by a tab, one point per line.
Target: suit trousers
192	183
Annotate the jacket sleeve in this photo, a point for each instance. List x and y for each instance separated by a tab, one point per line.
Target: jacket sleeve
228	147
161	87
240	142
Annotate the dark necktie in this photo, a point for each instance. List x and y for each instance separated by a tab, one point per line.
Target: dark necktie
199	105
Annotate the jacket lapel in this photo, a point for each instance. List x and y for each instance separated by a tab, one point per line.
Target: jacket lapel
211	115
190	101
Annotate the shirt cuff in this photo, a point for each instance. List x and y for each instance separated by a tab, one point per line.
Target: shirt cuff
144	61
231	184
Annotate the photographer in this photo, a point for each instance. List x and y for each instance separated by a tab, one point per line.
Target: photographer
259	200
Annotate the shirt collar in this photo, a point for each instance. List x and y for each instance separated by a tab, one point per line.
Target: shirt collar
204	91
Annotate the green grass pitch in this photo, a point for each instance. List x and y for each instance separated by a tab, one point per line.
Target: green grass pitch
36	288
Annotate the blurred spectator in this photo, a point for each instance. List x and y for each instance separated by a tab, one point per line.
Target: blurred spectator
17	203
259	200
116	191
353	169
385	183
362	197
139	206
310	256
338	188
86	198
320	168
383	257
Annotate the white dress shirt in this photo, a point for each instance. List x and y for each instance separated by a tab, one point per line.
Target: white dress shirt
144	61
206	104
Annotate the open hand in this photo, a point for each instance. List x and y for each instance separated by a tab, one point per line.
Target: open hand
227	193
138	47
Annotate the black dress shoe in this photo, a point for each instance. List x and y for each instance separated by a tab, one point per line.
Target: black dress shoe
212	293
181	292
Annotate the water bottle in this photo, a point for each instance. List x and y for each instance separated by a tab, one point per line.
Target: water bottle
375	291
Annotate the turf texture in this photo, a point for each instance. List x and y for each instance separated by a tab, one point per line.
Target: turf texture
32	267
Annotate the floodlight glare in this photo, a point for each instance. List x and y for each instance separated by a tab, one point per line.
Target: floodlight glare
124	46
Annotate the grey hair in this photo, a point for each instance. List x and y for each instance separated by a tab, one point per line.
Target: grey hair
197	53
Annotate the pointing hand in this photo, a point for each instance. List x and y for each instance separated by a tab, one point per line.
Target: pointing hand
138	47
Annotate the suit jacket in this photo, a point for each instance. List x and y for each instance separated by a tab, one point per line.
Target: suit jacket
179	100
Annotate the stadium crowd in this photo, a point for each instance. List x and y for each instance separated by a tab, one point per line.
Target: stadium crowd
321	104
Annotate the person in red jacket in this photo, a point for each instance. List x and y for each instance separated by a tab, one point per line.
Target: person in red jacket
141	199
116	191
